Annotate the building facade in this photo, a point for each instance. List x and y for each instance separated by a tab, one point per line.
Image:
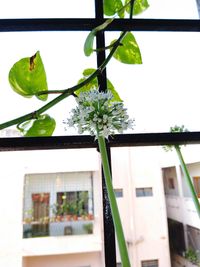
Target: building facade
42	188
183	219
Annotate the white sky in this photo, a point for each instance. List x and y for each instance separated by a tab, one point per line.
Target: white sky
160	93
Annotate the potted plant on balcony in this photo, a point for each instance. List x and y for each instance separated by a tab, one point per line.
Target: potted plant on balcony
75	210
28	216
57	211
88	227
191	255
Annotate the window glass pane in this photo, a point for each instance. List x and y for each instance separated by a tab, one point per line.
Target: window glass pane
193	240
148	192
171	9
144	192
118	192
196	181
158	91
47	9
170	181
64	61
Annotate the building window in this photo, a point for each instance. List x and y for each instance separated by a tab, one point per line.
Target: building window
144	192
40	204
176	237
196	181
193	235
72	203
171	184
150	263
118	192
66	208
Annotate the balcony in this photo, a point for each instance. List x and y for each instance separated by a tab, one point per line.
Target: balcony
58	226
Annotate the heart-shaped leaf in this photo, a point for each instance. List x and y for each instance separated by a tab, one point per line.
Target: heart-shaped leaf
128	52
27	77
111	7
94	85
138	7
43	126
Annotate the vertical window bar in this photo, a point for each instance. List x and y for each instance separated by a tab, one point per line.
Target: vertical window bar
109	232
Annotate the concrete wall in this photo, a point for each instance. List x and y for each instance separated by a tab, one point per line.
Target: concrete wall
146	230
14	166
82	260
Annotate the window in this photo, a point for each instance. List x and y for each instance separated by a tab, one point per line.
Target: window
144	192
196	181
72	203
40	204
176	236
67	209
171	183
150	263
148	27
118	192
193	235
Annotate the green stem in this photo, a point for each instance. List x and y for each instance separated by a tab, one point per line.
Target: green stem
63	93
113	203
188	179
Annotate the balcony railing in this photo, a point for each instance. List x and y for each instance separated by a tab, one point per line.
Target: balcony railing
58	226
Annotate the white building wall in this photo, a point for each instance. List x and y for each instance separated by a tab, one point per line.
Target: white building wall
14	165
146	230
82	260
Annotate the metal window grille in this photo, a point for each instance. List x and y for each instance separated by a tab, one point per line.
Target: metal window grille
60	142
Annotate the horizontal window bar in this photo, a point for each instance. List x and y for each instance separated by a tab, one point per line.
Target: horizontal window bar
12	25
84	141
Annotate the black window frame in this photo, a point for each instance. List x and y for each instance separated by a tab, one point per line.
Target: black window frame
84	141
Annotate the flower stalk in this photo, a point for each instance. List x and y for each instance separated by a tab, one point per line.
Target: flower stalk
113	203
101	115
188	179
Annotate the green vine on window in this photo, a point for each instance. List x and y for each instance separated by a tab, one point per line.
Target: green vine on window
28	77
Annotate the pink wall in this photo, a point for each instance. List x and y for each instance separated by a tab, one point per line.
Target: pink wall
70	260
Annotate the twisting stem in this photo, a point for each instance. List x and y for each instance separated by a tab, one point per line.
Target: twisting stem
113	203
188	179
131	8
64	93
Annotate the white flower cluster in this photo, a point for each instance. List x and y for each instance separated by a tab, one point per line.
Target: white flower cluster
98	114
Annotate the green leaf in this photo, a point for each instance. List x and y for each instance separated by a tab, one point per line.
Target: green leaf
43	126
94	84
128	52
138	7
88	45
111	7
27	77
